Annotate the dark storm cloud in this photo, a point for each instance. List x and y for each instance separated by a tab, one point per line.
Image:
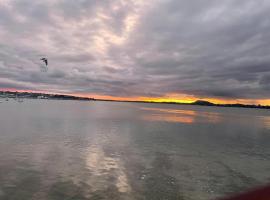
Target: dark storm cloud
206	48
265	82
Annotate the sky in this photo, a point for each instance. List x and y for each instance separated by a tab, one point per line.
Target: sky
162	50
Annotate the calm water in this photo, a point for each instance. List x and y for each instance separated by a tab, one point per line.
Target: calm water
63	150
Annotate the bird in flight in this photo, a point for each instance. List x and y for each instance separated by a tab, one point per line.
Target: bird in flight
45	60
44	68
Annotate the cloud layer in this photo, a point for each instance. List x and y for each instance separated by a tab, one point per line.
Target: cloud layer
205	48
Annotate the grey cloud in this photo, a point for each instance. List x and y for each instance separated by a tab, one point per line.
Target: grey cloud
13	85
198	47
265	82
228	48
74	58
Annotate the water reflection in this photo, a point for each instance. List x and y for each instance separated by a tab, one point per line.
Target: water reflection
102	166
266	121
180	116
174	111
168	118
109	150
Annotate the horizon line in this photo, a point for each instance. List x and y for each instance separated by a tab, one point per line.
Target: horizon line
214	101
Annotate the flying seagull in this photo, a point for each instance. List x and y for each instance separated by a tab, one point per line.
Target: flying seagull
45	60
44	67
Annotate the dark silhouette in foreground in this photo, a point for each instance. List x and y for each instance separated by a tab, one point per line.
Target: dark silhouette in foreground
257	194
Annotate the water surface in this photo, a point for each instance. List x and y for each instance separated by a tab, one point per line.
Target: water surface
107	150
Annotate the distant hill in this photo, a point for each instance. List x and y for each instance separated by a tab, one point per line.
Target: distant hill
203	103
207	103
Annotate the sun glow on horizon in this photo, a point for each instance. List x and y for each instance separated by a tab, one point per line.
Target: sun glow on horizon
180	99
169	98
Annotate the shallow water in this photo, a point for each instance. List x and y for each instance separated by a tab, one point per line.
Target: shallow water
107	150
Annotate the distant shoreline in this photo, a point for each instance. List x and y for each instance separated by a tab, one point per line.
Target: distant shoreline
29	95
196	103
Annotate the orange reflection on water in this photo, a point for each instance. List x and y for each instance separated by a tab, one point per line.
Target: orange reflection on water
211	117
266	122
181	116
174	111
169	118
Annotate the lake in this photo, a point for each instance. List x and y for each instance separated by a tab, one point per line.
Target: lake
63	150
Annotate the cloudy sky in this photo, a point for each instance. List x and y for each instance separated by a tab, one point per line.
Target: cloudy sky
155	49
